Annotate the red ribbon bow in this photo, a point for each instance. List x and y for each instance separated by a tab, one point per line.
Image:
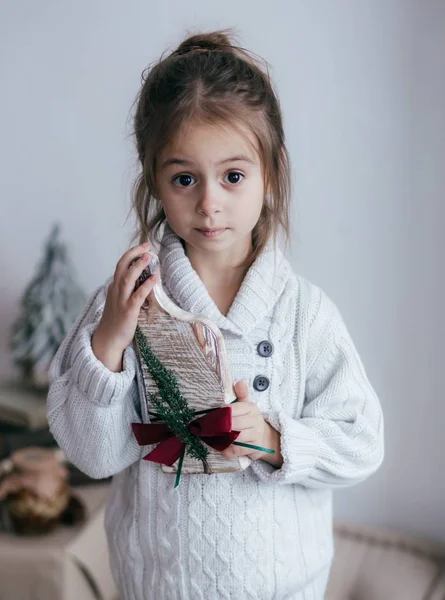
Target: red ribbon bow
214	428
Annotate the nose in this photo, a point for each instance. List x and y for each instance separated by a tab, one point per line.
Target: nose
209	202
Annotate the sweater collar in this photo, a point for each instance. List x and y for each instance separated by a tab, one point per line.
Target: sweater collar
261	287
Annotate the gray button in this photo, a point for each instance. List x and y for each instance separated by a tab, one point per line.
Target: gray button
265	348
261	383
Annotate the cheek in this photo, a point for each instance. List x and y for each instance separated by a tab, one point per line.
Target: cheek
248	208
175	208
254	215
176	218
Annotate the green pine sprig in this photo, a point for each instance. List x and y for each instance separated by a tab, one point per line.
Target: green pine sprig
171	406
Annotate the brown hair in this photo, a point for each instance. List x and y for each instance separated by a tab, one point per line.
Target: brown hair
207	78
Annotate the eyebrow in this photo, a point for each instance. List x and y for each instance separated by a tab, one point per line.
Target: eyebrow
174	160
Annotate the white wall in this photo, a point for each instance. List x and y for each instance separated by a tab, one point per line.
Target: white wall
362	86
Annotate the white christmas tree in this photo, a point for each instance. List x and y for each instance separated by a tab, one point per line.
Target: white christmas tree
50	305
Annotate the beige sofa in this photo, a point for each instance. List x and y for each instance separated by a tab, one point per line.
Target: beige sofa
372	564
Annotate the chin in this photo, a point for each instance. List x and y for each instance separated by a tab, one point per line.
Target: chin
229	241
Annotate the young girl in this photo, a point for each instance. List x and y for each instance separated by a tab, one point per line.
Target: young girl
214	184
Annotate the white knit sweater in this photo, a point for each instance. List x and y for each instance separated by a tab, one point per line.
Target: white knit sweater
261	534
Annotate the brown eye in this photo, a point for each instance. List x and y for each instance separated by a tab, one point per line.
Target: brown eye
183	180
235	177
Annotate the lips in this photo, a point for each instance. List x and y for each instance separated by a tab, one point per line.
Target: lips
211	232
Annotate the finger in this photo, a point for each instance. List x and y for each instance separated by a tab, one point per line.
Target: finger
127	258
241	391
139	296
237	451
137	273
240	409
127	284
245	435
242	422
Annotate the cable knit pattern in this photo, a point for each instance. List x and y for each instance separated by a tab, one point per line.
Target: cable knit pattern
260	534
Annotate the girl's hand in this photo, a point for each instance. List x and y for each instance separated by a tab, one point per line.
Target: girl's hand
117	325
254	429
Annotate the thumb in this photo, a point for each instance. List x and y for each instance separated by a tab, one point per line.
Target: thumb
241	391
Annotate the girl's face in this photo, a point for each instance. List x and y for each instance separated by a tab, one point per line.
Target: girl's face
211	185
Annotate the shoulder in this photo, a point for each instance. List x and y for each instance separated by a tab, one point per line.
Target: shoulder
319	324
79	335
94	306
96	300
313	305
308	300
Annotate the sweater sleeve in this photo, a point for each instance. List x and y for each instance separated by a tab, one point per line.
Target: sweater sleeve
90	408
338	440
